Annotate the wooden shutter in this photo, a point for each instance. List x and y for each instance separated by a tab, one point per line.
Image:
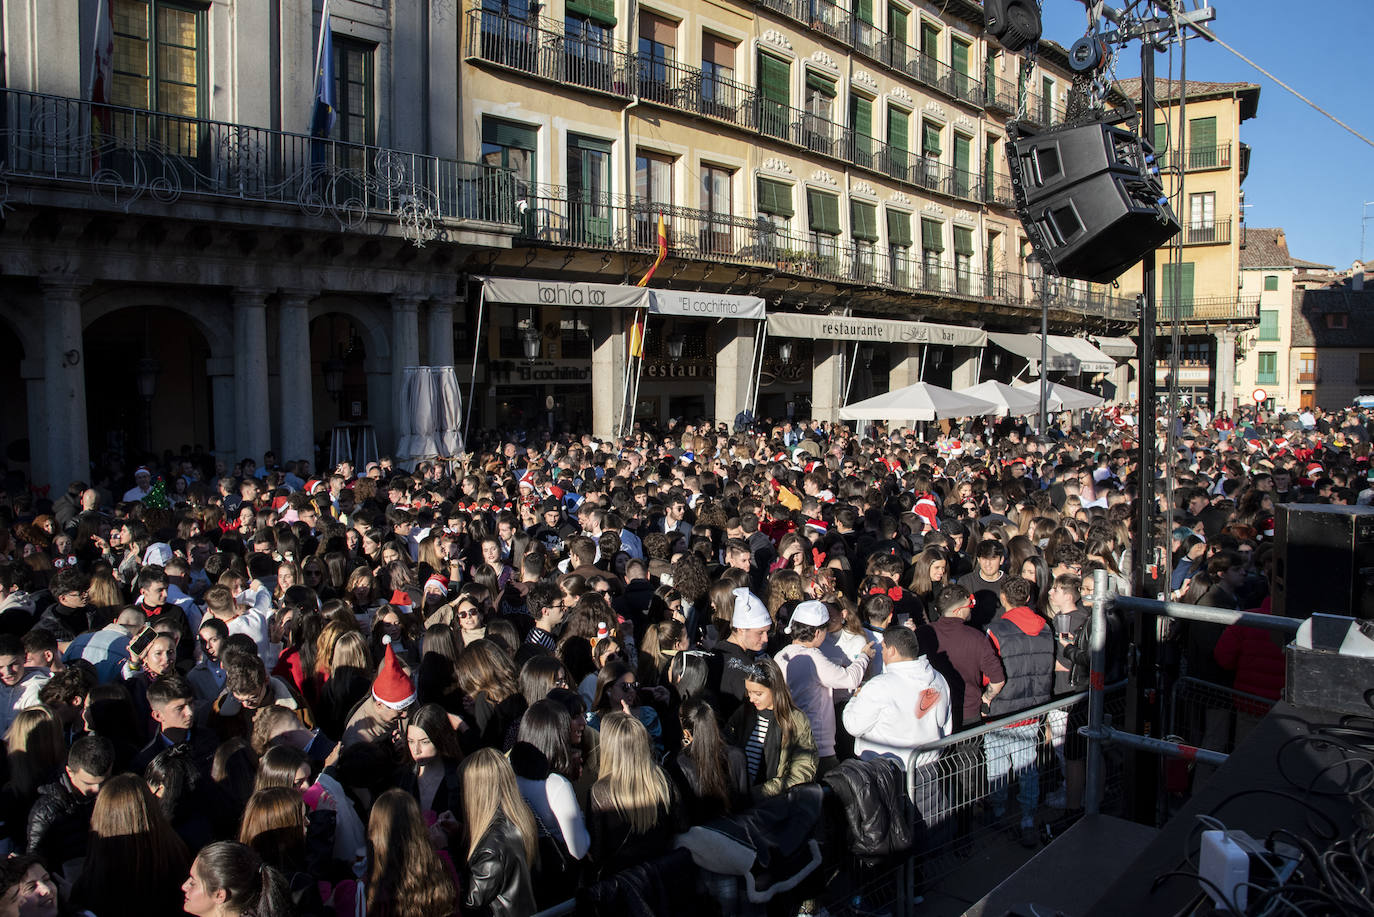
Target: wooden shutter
774	78
963	241
930	41
930	140
1202	134
775	197
602	11
898	228
958	57
898	123
509	134
863	11
863	221
861	115
896	24
823	210
821	84
1269	324
717	50
658	29
1271	282
932	235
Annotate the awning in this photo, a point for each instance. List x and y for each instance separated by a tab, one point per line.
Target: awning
620	296
1120	348
1027	346
878	330
1090	359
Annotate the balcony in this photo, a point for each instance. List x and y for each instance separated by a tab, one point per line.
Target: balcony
126	157
997	190
1209	309
541	48
801	128
1208	232
1198	158
690	89
1000	95
571	218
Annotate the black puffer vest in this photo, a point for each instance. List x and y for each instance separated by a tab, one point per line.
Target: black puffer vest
1029	663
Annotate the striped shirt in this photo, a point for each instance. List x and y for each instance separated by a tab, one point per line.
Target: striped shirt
753	747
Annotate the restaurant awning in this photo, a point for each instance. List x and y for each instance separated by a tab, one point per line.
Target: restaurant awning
1027	346
1118	348
621	296
1090	359
877	330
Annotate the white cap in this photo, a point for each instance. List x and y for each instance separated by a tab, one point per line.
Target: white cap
749	612
812	614
158	553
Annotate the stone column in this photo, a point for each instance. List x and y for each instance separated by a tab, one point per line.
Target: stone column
405	351
252	408
827	382
297	390
439	331
221	373
735	374
1226	371
965	368
1121	379
31	371
608	370
906	370
64	369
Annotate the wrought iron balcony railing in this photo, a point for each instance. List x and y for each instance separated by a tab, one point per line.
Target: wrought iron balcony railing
1208	232
542	48
127	155
997	190
1208	309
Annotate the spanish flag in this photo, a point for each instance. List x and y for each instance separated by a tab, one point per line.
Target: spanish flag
662	252
637	338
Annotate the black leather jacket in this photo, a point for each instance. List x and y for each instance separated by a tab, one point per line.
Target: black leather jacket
59	822
498	882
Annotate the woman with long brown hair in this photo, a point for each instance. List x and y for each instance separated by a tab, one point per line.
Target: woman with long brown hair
774	733
297	843
502	839
929	574
432	777
36	750
131	841
486	676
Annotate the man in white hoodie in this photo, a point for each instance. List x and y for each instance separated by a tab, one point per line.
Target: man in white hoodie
904	707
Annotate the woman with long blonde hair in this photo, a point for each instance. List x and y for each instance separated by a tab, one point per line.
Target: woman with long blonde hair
503	840
350	680
633	811
131	841
36	750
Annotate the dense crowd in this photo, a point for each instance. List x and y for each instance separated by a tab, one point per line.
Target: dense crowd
562	667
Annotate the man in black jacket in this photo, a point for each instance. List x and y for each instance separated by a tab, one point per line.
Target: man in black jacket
60	820
734	657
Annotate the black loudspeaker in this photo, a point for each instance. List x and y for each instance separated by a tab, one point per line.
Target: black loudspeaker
1090	199
1323	560
1014	23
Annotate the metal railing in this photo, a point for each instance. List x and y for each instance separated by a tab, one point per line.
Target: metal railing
1208	308
997	190
693	90
999	94
1199	158
544	49
126	155
1208	232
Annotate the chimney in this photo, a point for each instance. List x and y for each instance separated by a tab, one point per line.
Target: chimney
1357	282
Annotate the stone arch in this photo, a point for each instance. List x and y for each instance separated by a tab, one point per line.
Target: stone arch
371	319
210	312
370	382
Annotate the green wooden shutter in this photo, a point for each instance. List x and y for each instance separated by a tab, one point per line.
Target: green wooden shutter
863	10
896	24
897	123
963	152
1184	308
823	210
1161	136
509	134
990	70
898	228
1269	324
932	235
1271	282
1202	143
861	123
775	197
963	241
958	57
863	221
930	41
825	87
775	77
602	11
589	143
930	140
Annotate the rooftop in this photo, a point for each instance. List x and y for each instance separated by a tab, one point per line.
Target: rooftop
1268	247
1171	90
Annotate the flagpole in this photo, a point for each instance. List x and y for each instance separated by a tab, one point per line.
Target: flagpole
95	48
319	45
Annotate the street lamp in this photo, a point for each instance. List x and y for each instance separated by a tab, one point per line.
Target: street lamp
866	355
785	351
146	372
333	377
529	340
675	344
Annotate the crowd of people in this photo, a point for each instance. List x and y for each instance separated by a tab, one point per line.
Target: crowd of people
479	686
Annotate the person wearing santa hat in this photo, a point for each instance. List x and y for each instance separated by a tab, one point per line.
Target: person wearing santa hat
379	715
143	485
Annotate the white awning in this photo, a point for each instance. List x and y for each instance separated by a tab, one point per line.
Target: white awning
878	330
620	296
1119	348
1090	359
1027	346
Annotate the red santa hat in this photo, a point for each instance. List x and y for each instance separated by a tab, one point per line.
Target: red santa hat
926	509
438	582
392	687
400	597
1314	470
525	480
313	486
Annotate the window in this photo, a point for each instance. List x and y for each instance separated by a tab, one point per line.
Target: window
1046	101
963	259
959	54
863	229
353	91
575	335
657	51
775	77
509	32
1202	143
990	153
1271	283
1267	372
1337	320
716	201
820	103
589	189
775	202
1202	226
899	247
1366	371
718	71
930	52
930	154
963	166
1269	324
861	126
897	33
990	252
932	247
1307	366
990	76
653	193
587	57
512	146
823	211
160	66
898	143
1176	290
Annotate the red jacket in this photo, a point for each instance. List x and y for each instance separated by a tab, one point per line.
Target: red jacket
1256	656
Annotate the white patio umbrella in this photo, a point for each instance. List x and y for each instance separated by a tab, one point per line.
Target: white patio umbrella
418	423
450	412
1009	400
921	401
1061	397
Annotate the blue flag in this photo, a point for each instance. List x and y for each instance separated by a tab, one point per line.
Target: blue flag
324	116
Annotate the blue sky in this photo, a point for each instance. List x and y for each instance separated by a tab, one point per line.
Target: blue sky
1308	175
